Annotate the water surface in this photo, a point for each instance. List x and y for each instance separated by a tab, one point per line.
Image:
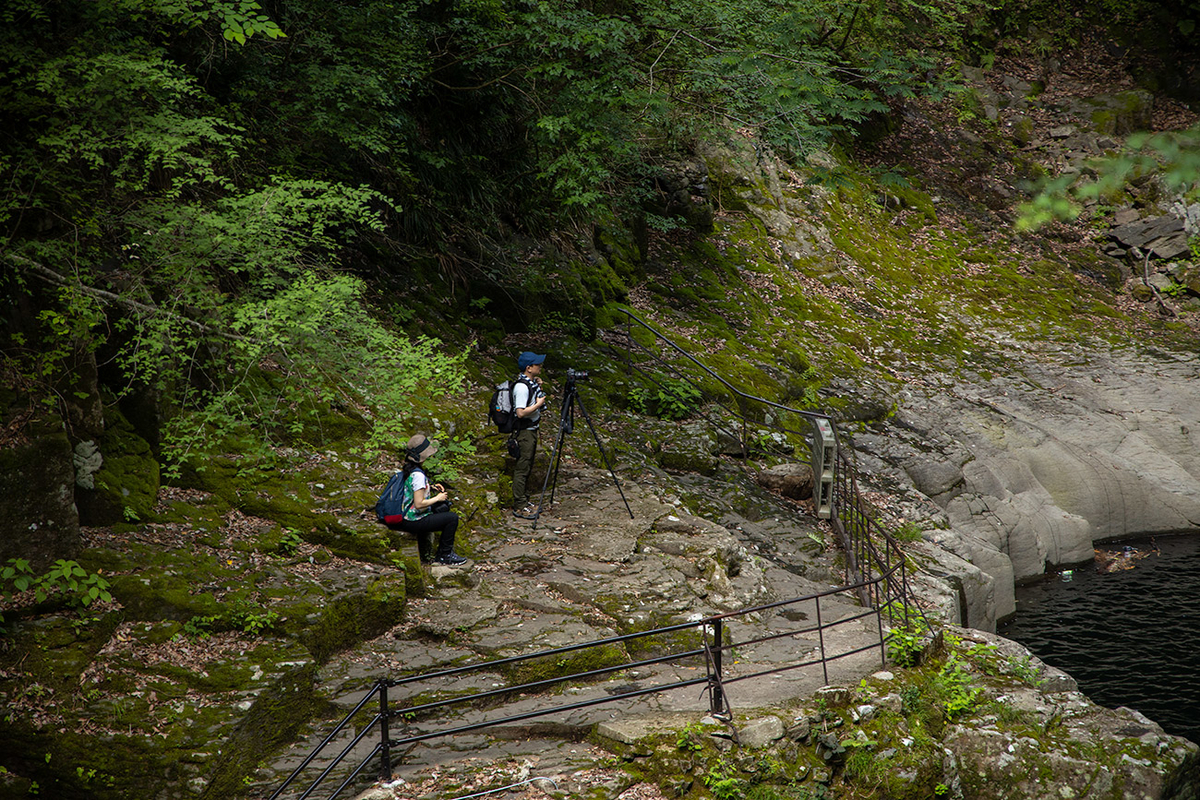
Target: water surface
1130	637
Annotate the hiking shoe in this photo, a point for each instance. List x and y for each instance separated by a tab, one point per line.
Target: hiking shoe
450	560
527	511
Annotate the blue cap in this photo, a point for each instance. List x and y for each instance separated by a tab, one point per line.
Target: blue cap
527	358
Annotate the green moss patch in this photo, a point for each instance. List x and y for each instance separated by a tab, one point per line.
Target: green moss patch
127	483
350	619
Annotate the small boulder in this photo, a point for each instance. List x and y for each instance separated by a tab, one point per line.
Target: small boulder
761	732
790	480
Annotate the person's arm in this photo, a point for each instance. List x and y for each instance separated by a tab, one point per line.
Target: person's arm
422	500
532	407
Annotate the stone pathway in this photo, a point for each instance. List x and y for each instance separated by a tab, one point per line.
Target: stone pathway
587	571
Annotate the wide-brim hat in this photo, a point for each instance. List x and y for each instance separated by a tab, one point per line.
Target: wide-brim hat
420	448
527	358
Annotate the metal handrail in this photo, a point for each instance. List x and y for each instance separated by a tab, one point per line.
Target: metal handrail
879	579
631	320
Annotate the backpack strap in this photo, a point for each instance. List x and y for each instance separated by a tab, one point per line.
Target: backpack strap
409	469
521	422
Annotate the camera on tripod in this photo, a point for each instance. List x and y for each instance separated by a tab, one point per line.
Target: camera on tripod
566	426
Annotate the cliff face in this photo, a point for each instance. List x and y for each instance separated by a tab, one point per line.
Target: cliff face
1028	469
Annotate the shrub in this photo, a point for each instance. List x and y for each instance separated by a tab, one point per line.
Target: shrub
906	642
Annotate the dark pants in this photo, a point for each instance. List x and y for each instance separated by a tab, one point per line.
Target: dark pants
527	440
423	528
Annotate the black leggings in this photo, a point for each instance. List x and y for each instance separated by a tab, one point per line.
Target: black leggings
446	522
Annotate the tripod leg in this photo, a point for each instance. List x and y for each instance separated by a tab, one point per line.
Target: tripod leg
556	459
604	455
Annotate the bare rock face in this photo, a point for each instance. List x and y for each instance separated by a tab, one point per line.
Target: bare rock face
1030	469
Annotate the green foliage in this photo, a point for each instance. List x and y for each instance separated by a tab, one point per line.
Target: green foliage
19	574
1052	202
670	399
908	532
721	779
65	577
65	580
690	739
290	542
1025	670
200	627
986	659
906	642
133	121
954	686
252	621
1175	290
288	347
564	322
460	110
243	617
188	188
1174	157
455	450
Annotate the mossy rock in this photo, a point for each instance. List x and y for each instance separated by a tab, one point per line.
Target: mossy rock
164	739
273	721
540	669
1022	130
1122	113
126	486
206	514
1141	292
1108	272
171	587
620	247
55	650
356	617
285	498
689	461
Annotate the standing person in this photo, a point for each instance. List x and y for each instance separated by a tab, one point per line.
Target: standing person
528	399
417	514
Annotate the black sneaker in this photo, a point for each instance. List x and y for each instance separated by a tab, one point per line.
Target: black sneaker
451	560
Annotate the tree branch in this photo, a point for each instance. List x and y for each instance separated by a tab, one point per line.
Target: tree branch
50	276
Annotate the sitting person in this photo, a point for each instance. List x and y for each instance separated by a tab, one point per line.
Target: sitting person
417	514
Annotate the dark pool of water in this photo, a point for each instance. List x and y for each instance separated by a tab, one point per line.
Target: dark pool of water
1130	638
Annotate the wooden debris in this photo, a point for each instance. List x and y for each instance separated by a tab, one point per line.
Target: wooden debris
1117	560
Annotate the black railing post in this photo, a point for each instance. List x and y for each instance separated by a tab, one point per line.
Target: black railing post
385	755
882	638
716	695
821	638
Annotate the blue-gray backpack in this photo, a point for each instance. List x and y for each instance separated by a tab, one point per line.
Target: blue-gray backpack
391	502
501	411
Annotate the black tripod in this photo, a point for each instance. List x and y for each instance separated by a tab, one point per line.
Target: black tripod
566	425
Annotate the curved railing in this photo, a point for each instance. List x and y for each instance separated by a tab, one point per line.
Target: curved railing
876	575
